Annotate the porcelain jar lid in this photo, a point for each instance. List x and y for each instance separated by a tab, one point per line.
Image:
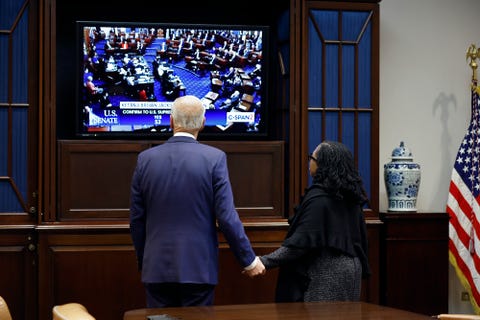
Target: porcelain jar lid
401	153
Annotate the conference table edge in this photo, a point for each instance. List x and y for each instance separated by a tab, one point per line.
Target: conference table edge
274	311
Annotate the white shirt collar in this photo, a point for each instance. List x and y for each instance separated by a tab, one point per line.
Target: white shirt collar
184	134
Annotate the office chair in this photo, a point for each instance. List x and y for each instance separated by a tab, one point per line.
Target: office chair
4	311
457	316
71	311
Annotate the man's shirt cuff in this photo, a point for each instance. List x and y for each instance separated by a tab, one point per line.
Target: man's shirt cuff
252	265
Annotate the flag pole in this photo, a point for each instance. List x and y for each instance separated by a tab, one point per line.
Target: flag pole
463	204
472	54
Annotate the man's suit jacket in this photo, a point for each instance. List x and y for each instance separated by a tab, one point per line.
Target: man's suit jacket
179	190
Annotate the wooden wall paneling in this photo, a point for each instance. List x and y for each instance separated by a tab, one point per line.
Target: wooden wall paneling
371	286
94	179
95	266
266	238
415	262
256	171
311	57
47	105
18	281
18	113
335	90
236	288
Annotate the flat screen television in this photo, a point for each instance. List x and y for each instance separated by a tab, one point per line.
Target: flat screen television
129	74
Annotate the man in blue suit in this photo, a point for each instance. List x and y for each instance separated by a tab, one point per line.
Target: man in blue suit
180	191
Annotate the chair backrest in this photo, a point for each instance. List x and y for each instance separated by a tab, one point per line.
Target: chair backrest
457	316
71	311
4	311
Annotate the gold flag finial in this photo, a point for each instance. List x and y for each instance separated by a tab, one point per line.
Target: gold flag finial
473	53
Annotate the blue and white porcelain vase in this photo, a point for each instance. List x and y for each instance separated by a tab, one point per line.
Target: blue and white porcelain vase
402	180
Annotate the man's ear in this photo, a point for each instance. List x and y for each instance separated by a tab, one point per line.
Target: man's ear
203	123
171	122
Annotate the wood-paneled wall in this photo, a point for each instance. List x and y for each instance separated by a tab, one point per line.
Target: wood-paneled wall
94	178
95	264
80	249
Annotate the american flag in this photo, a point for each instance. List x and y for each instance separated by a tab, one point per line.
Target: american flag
464	209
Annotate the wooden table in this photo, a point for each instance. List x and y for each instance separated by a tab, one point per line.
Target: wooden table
280	311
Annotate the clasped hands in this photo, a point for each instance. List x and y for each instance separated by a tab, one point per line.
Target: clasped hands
257	270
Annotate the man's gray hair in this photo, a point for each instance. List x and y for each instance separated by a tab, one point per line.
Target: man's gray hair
188	112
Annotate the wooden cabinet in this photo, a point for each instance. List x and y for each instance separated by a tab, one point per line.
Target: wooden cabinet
415	262
96	265
335	86
94	178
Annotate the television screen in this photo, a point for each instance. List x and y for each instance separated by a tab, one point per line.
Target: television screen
129	74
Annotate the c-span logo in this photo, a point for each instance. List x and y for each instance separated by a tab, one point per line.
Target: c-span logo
240	117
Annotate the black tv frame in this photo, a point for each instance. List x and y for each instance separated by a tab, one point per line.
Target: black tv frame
159	107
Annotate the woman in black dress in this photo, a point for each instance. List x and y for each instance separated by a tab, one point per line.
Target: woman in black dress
324	255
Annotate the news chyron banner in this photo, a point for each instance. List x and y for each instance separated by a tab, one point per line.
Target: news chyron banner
147	114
